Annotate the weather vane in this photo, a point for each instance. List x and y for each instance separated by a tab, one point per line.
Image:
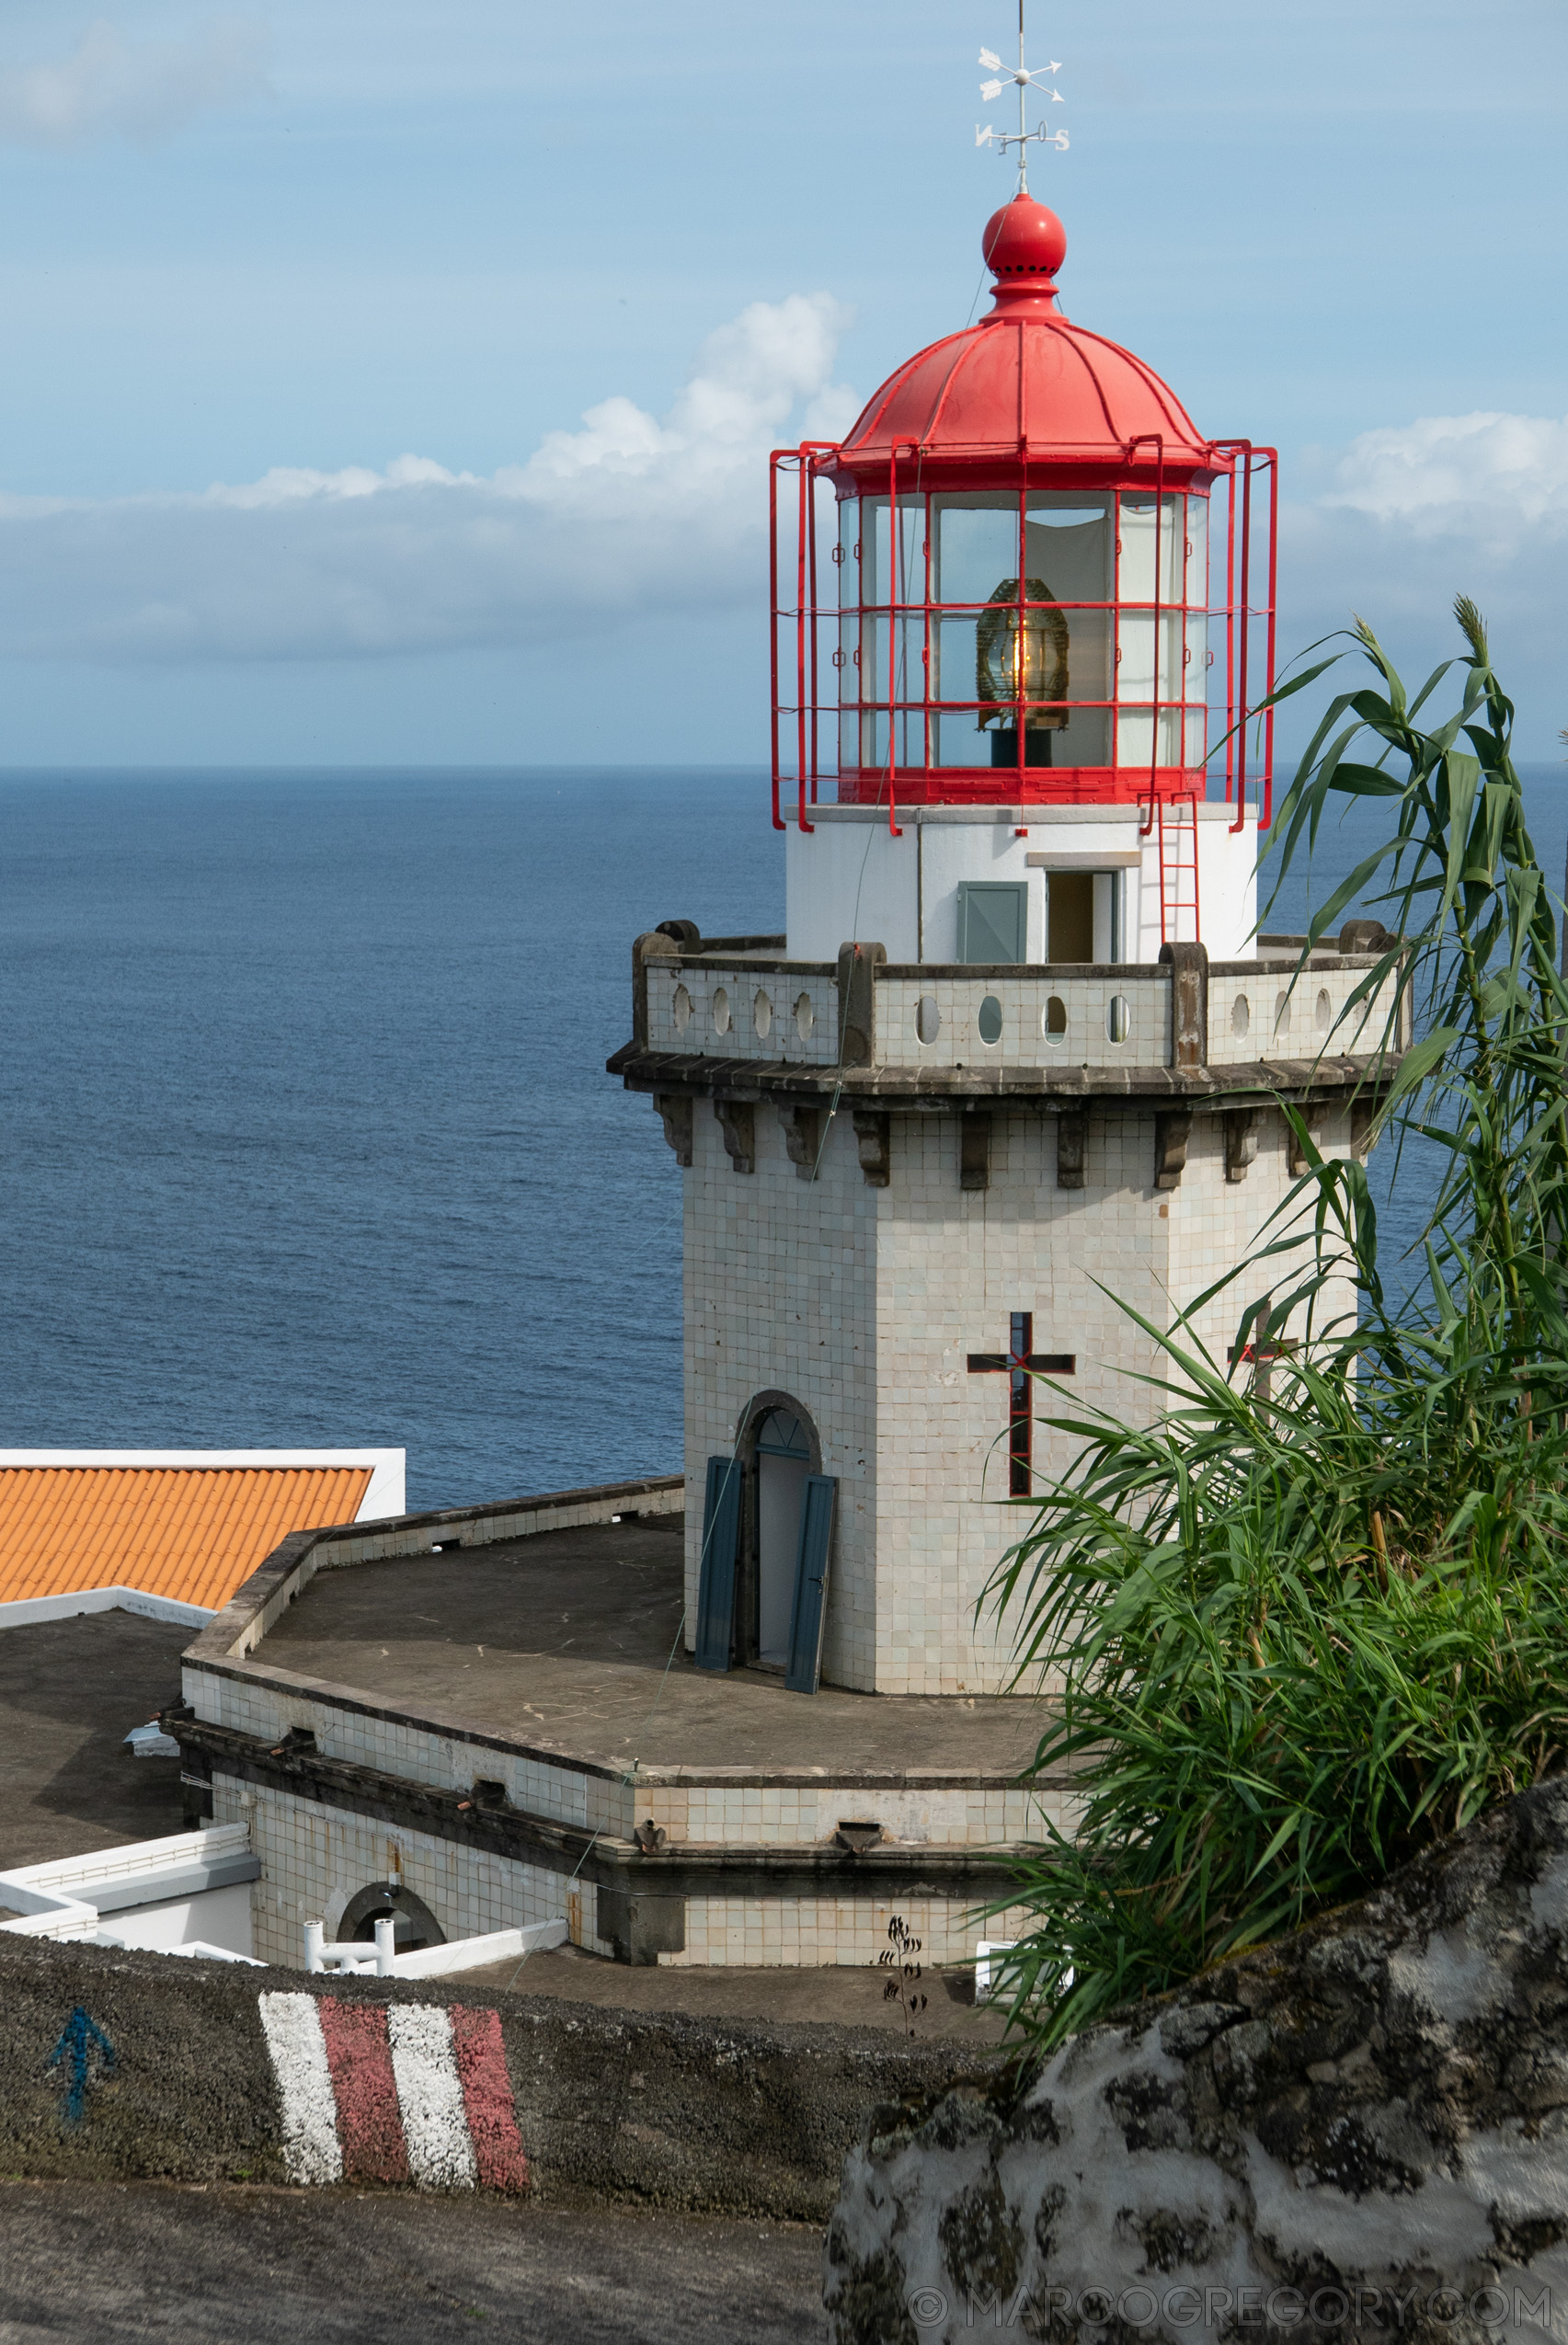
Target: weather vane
1025	81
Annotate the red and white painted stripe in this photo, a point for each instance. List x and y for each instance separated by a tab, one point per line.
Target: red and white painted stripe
401	2092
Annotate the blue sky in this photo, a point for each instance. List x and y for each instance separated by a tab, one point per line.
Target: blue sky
258	258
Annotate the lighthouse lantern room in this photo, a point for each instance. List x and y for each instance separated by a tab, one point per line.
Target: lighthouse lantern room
1026	579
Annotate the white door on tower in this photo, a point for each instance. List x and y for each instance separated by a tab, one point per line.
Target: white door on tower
783	1460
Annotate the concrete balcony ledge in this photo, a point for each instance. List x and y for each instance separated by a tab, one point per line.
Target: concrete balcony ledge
1058	1021
947	1089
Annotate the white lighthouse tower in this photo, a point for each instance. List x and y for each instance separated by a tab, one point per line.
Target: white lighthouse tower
1019	1050
1019	1060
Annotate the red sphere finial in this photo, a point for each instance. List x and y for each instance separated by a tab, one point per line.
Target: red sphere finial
1024	246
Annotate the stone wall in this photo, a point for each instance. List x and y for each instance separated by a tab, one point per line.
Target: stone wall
1361	2129
176	2080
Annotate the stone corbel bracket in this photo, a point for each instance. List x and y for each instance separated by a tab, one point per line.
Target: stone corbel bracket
802	1129
675	1114
1240	1140
974	1150
1171	1133
1313	1114
1072	1146
737	1121
872	1137
1365	1128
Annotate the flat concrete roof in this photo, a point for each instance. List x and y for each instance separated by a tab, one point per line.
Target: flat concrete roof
570	1641
70	1691
846	1994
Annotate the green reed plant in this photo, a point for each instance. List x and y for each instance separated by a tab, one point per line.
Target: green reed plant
1298	1632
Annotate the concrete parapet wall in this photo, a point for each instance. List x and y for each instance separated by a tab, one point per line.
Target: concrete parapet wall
929	1016
262	1599
175	2078
764	1009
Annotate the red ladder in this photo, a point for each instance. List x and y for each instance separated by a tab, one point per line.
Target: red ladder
1177	822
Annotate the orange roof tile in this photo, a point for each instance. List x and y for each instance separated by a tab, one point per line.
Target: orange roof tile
192	1533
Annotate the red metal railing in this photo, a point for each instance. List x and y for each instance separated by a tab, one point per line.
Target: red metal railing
904	765
1247	462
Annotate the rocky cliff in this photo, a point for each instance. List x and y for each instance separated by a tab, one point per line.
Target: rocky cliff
1363	2127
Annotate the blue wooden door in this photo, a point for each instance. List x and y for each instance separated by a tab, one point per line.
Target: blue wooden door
811	1608
715	1581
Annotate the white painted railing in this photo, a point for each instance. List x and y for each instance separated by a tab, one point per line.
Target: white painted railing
324	1954
67	1897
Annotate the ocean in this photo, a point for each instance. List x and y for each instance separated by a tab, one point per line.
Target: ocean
306	1138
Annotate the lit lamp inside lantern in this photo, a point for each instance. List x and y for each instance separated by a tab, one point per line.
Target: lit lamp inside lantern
1021	658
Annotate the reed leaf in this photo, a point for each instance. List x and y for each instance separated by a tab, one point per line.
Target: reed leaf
1297	1636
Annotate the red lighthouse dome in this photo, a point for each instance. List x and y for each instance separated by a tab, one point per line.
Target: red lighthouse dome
1025	381
1026	609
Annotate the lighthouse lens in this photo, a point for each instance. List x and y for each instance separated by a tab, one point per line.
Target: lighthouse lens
1003	628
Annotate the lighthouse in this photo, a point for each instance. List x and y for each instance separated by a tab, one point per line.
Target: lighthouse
1015	1075
1020	1079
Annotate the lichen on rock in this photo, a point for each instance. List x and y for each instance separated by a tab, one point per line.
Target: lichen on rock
1360	2130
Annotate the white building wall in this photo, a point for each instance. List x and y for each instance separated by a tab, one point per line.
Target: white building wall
954	1266
214	1916
779	1293
1219	1220
314	1859
849	877
411	1748
1227	887
792	1933
863	1304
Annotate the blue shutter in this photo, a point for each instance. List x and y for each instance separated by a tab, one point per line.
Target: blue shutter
993	919
810	1607
715	1584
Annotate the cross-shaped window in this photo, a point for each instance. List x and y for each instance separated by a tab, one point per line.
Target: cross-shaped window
1018	1363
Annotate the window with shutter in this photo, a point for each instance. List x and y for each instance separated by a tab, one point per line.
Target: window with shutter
993	919
811	1608
715	1581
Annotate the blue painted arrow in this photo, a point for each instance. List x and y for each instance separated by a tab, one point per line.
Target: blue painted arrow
74	2052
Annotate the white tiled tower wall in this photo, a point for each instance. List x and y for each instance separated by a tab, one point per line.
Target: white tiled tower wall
863	1303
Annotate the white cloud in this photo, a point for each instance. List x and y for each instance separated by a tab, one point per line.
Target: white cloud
1411	516
1500	472
636	514
631	513
142	89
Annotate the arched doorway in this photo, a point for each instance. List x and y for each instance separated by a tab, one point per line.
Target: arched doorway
414	1925
783	1460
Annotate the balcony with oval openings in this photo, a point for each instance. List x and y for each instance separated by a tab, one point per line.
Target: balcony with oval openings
1281	1013
1053	1021
928	1018
1325	1010
680	1009
720	1009
989	1020
805	1016
1240	1017
1118	1018
762	1016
